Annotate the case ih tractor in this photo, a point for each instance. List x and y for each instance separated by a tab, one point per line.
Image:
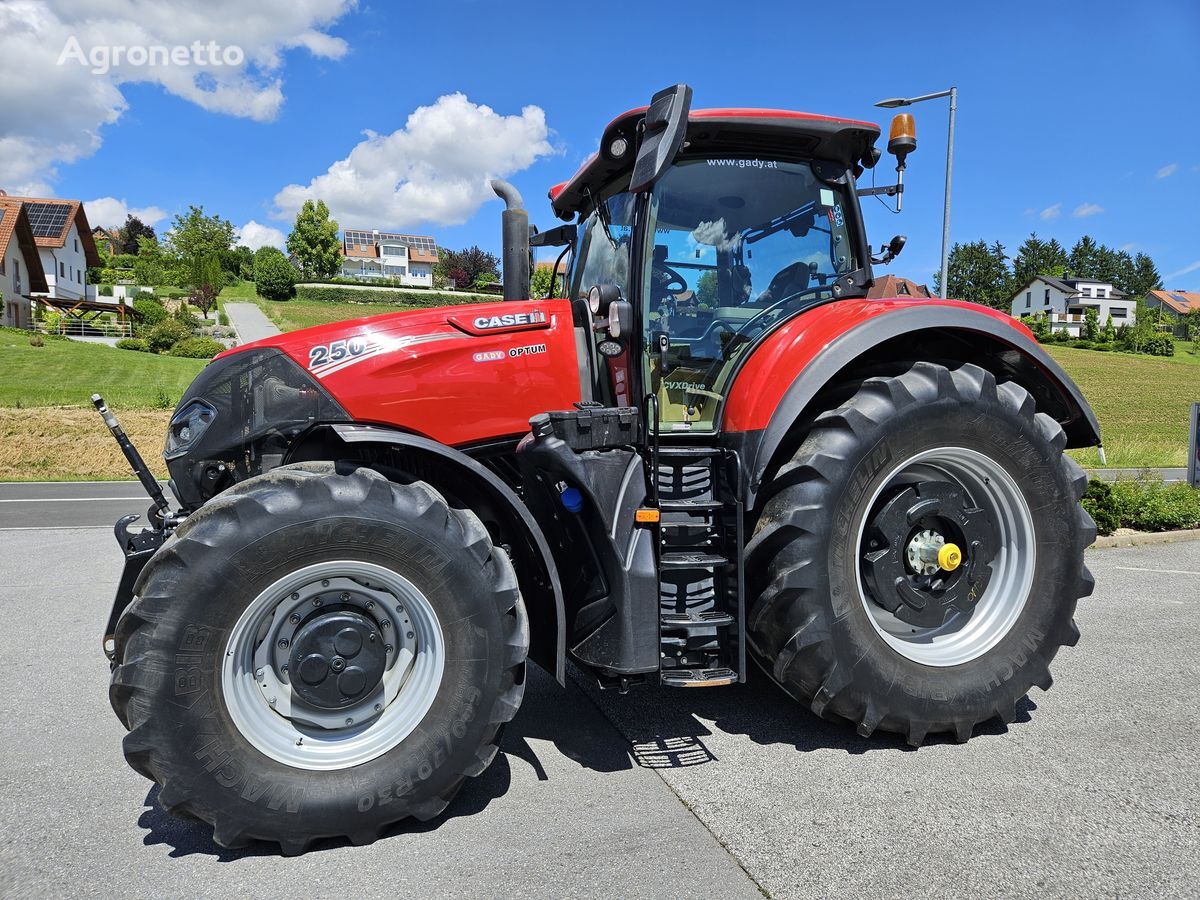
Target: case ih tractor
713	450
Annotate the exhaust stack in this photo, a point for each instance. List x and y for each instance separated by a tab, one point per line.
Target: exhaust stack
514	223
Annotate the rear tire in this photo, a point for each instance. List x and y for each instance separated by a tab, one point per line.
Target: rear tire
816	626
201	655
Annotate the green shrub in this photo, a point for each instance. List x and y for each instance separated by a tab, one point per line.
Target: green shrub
123	261
198	348
166	334
222	318
133	344
1102	506
274	277
1084	345
1149	505
185	316
152	312
1103	347
36	340
333	294
1159	345
104	290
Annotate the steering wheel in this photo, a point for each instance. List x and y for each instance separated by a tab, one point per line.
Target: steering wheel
667	280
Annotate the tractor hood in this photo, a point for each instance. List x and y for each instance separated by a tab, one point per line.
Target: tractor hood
456	374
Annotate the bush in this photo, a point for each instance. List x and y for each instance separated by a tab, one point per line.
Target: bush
152	312
122	261
184	315
105	290
1102	506
133	344
36	340
274	277
1149	505
222	318
166	334
332	294
1084	345
198	348
1159	345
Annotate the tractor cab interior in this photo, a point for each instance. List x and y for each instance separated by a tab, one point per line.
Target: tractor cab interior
729	246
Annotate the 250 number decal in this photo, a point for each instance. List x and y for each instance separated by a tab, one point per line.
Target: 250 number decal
323	354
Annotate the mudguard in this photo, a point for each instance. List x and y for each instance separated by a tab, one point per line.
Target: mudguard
536	570
778	381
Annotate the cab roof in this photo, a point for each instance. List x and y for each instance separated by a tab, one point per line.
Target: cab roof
733	131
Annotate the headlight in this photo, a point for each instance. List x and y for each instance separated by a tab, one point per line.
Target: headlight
187	427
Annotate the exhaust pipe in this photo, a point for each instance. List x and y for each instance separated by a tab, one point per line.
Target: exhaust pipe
514	223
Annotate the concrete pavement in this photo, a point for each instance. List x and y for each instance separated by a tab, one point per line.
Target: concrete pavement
1168	476
249	322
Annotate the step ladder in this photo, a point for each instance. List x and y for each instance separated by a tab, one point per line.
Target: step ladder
701	577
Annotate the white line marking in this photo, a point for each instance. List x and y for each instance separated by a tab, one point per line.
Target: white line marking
74	499
58	528
1163	571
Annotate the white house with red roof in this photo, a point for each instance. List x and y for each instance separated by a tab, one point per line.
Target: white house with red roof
20	266
381	255
65	244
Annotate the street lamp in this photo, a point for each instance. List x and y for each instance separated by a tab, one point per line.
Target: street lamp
892	103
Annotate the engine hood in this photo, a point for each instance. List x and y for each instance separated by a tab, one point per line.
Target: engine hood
457	374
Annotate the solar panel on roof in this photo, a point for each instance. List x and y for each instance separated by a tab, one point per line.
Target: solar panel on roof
47	219
1182	299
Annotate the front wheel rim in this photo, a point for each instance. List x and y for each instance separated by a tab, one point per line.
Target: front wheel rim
256	678
963	637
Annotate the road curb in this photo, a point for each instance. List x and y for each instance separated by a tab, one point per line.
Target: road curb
1146	537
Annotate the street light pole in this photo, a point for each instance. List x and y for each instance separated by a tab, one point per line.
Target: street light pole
952	93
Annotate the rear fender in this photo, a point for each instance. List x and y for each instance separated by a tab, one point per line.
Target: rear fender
465	483
780	384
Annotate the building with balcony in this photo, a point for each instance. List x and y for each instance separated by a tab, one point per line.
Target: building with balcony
405	259
1064	302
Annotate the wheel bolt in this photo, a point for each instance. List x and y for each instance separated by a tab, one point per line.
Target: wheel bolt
283	668
378	707
294	618
258	673
349	721
345	596
410	635
272	701
325	583
317	601
387	624
370	604
295	596
387	649
283	644
371	636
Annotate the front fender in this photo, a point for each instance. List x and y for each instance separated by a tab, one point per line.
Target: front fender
468	483
778	382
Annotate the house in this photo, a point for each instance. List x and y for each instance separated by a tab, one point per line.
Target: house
20	267
1065	302
65	244
406	258
1174	304
895	286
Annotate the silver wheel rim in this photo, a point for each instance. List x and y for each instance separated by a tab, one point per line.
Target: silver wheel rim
256	683
964	636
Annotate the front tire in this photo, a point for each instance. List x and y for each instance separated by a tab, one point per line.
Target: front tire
855	615
316	654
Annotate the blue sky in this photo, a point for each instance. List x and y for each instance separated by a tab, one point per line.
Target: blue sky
1073	117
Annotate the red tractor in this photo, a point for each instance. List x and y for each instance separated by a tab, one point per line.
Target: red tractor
714	449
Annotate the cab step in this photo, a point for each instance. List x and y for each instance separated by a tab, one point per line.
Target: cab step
689	452
691	559
698	677
694	507
707	619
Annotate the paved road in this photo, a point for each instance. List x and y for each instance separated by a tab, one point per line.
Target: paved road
249	322
68	504
1095	790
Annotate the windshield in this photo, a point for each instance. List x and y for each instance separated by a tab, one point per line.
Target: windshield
603	258
735	244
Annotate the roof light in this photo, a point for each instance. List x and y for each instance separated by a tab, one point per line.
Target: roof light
902	139
618	147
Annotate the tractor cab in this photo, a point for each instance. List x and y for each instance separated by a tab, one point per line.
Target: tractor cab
754	219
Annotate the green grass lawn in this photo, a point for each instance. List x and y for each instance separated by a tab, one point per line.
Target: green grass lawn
292	315
67	373
243	290
1142	403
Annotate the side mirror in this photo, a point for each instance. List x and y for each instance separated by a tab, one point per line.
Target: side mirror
663	131
890	251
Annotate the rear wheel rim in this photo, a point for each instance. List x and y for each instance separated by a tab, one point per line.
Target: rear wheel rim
256	674
963	637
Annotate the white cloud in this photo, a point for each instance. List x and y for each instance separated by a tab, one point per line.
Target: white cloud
1084	210
433	170
254	235
1051	212
111	212
54	113
1167	170
1191	267
1127	247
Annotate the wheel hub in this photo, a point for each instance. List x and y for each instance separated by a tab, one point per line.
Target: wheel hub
338	657
912	563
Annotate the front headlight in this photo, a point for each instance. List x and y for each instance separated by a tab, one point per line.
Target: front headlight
187	427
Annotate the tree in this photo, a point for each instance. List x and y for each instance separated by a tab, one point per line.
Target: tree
314	241
1037	257
194	236
130	234
151	263
1109	333
206	282
1091	324
274	276
706	290
238	264
1145	277
978	273
469	264
541	281
1085	259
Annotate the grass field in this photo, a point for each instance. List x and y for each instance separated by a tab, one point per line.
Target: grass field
1142	403
292	315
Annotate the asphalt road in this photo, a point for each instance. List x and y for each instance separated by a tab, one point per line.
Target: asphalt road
1094	791
70	504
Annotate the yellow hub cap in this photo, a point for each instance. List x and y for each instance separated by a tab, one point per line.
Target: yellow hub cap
949	557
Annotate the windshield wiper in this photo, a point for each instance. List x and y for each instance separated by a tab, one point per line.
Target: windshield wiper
605	219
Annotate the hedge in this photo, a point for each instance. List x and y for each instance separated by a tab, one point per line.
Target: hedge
333	294
197	348
1145	504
